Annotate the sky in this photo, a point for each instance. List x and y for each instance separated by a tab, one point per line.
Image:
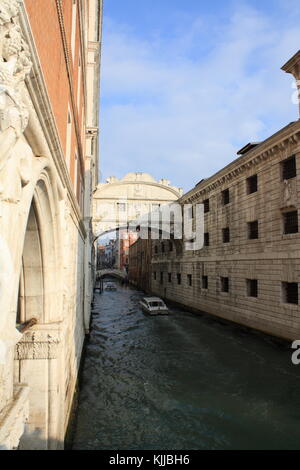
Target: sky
186	84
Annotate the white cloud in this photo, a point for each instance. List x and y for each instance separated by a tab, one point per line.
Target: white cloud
177	114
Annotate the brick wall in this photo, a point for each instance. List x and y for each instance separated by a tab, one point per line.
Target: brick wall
46	29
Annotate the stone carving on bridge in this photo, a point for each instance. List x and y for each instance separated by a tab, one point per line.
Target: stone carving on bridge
15	65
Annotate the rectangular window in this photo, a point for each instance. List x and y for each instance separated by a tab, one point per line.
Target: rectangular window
190	213
161	277
178	278
290	292
170	277
170	246
290	221
206	239
162	247
252	288
156	249
225	197
154	276
204	282
206	206
190	280
225	284
252	184
226	235
253	230
288	168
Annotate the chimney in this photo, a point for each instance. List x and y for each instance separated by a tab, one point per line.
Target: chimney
293	67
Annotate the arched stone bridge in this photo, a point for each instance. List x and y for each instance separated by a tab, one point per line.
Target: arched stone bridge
118	273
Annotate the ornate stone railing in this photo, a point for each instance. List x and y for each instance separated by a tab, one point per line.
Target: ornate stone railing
13	418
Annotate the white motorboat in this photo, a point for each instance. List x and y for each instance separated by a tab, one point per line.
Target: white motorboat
154	306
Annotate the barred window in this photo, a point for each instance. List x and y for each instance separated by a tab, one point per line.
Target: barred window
190	280
252	288
206	206
178	278
225	197
252	184
205	282
253	230
206	239
225	284
290	220
226	235
290	292
288	168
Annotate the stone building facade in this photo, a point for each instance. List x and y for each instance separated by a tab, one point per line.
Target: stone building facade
119	201
140	258
49	77
248	270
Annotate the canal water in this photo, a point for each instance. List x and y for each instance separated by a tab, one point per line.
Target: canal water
183	382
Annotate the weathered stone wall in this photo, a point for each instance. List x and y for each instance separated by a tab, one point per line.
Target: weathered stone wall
45	219
271	259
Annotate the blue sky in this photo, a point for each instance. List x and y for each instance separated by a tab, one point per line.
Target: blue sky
185	84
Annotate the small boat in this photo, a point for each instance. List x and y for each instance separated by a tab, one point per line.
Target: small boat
110	286
154	306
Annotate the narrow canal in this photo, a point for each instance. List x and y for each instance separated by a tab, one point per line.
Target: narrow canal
183	382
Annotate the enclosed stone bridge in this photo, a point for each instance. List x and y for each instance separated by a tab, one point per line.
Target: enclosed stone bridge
117	273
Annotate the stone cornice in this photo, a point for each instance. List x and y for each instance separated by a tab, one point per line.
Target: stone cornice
282	141
292	63
141	183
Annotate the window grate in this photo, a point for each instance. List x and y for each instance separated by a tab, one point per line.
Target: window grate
289	169
206	239
252	287
253	230
290	292
225	197
206	206
225	284
290	222
252	184
205	282
226	235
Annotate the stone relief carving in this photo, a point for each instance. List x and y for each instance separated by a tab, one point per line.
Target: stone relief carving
15	65
289	194
8	336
